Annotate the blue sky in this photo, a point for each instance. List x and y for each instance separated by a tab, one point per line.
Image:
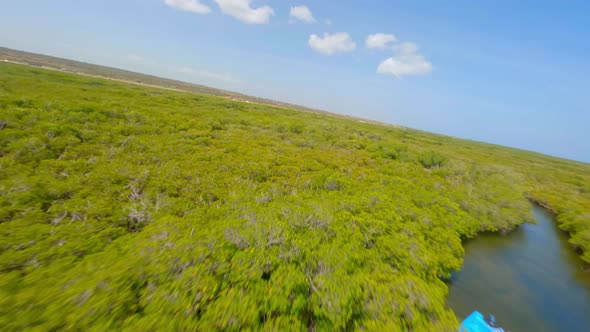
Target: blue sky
514	73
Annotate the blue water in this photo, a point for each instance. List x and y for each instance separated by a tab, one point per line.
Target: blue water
531	279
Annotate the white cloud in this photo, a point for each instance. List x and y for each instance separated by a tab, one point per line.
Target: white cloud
405	62
380	41
331	44
242	10
301	13
194	6
328	22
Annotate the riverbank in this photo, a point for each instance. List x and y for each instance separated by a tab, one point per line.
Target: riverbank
575	225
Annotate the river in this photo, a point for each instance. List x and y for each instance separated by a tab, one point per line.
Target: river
530	279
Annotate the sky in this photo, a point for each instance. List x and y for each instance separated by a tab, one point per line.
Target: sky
514	73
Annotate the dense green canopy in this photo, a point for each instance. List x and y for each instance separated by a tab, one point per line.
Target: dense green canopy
128	207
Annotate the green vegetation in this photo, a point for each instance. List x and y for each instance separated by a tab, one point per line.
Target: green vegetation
128	207
65	65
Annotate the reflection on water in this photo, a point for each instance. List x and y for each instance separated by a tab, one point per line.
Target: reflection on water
531	280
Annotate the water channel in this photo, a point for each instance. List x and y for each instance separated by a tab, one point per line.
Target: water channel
531	279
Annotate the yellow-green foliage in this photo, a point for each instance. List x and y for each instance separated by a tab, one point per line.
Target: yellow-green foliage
126	207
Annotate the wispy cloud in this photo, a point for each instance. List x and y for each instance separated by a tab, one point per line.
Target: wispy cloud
380	41
302	14
406	62
194	6
185	70
138	60
331	44
220	77
243	11
207	74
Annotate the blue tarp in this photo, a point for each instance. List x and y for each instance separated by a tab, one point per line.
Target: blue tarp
475	323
